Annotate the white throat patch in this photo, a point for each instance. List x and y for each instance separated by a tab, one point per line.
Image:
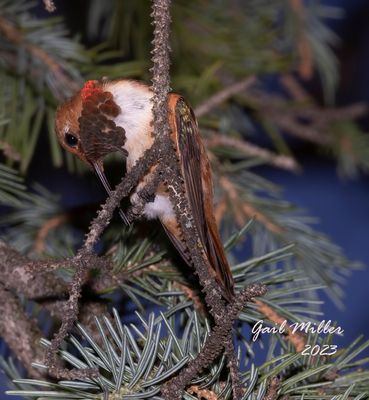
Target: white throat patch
136	115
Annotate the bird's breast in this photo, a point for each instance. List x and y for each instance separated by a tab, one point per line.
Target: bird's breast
135	116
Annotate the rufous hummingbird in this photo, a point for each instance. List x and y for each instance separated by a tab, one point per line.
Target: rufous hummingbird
109	116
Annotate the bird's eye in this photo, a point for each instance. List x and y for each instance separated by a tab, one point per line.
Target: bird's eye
71	140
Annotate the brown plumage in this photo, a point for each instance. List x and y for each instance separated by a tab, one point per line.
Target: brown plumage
116	116
199	190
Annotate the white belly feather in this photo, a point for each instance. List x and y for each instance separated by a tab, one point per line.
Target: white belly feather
161	208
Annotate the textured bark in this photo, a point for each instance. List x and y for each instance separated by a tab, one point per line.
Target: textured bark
21	333
16	276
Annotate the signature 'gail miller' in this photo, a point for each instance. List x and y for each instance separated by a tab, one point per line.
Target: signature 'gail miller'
324	327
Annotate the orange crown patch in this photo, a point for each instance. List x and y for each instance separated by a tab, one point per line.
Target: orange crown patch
90	87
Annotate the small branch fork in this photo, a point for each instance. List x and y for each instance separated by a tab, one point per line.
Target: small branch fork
85	258
22	279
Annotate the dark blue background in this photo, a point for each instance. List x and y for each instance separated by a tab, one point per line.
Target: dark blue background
342	206
343	210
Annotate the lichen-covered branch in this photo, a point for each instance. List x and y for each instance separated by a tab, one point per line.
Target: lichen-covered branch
85	258
33	283
20	332
213	346
161	64
37	281
223	315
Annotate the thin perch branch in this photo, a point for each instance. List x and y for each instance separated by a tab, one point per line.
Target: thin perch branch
161	64
280	161
171	175
42	234
224	95
243	210
86	258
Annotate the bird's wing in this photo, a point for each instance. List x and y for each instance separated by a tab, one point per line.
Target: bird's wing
198	184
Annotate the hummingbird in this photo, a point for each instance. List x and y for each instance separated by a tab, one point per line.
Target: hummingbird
116	116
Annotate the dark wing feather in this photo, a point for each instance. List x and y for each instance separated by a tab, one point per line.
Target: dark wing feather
178	244
196	173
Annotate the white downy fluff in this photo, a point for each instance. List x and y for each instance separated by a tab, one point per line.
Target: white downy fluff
161	207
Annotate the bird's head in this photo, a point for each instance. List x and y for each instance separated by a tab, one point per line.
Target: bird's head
67	126
85	126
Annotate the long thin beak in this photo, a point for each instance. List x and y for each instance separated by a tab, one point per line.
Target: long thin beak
107	187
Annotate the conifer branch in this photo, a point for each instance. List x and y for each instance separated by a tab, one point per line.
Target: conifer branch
168	166
306	64
274	386
280	161
45	229
62	79
20	332
223	95
34	281
245	210
161	64
71	309
21	275
213	346
85	259
202	393
310	122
